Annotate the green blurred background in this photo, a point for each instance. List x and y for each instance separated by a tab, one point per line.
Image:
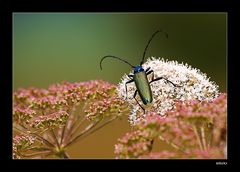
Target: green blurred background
52	47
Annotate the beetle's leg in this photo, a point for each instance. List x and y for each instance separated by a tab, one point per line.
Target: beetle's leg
126	85
130	76
147	69
134	96
149	72
159	78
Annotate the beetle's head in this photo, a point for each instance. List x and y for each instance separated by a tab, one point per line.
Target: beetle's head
137	69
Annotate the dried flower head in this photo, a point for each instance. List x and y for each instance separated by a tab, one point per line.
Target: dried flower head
193	85
62	114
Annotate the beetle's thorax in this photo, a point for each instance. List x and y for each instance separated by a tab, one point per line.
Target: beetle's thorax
137	69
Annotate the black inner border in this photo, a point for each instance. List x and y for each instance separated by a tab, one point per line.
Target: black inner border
8	7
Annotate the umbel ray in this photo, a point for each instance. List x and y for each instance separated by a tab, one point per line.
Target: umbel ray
139	76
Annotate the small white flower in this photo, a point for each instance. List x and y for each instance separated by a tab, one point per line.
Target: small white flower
193	85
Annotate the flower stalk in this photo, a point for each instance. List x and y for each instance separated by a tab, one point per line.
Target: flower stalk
203	138
198	137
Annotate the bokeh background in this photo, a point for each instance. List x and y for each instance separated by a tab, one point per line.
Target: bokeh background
53	47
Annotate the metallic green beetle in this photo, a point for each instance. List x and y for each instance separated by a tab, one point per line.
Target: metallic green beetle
139	77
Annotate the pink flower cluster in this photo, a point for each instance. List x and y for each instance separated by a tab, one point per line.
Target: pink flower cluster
160	155
21	143
56	115
195	109
170	129
50	121
133	145
195	129
22	115
213	153
105	106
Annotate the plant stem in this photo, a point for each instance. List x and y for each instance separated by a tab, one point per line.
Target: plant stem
55	138
39	149
99	127
151	145
65	127
35	154
62	134
198	138
171	144
39	137
85	132
82	133
72	130
63	155
203	138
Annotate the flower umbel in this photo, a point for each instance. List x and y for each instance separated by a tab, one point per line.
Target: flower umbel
47	121
50	121
191	83
21	143
194	129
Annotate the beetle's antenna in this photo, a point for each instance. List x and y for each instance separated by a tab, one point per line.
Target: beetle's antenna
115	58
149	43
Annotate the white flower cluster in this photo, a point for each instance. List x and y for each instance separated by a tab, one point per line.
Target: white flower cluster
191	84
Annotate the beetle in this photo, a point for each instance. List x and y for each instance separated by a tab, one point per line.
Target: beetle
139	76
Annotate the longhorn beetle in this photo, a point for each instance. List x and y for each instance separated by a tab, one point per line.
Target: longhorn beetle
139	77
